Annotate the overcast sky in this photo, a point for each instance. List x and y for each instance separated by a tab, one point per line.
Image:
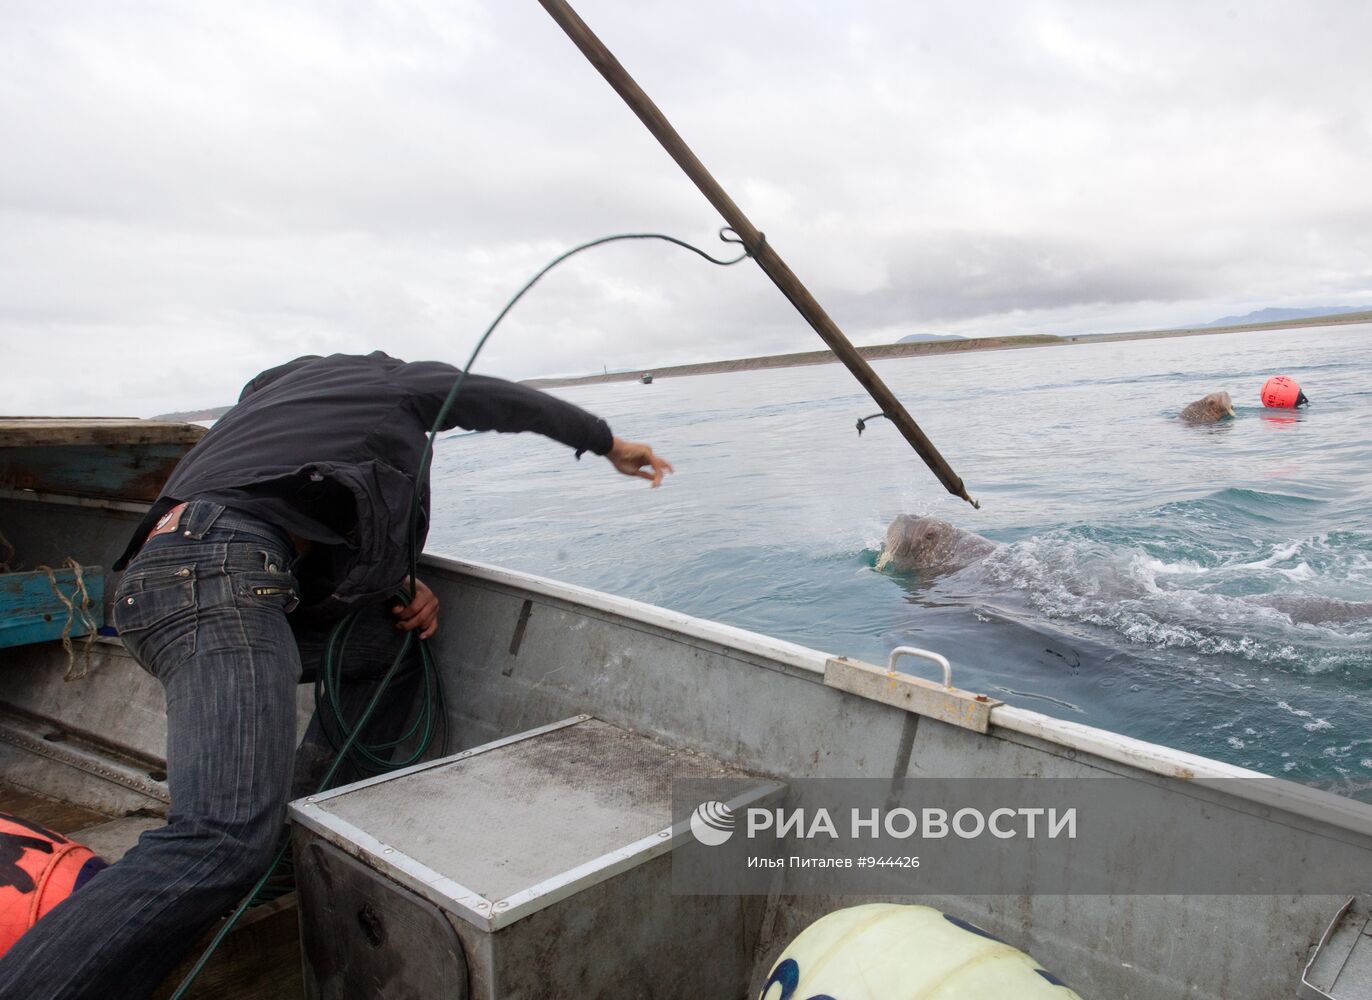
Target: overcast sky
191	192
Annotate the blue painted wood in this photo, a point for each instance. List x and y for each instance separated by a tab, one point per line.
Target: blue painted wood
125	471
119	457
31	612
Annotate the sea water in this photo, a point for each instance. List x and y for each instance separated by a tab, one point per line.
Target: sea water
1129	540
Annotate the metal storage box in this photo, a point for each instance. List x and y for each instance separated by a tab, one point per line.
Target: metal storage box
535	866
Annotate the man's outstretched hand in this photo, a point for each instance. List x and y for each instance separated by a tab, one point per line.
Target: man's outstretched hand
631	458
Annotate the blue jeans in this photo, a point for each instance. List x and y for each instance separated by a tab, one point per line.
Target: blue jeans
204	610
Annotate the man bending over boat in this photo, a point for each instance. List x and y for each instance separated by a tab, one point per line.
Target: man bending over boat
291	512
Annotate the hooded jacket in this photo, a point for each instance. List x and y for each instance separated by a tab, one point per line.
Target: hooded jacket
328	449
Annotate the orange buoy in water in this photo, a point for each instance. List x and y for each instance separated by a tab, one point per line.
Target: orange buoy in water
1282	392
38	869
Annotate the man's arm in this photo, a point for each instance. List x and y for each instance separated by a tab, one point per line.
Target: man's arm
494	404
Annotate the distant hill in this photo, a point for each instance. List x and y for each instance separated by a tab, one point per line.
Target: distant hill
214	413
1272	315
919	338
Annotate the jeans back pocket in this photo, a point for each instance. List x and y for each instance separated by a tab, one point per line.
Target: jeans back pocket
154	611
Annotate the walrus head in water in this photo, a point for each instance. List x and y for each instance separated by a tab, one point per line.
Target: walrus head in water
927	543
1208	409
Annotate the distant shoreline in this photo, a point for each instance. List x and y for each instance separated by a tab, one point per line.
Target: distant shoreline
883	351
878	352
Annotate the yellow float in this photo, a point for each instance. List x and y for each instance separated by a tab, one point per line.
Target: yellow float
886	951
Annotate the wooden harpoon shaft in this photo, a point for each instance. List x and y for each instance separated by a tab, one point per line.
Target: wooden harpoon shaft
761	251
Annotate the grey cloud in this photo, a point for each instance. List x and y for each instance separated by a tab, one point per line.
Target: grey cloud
192	192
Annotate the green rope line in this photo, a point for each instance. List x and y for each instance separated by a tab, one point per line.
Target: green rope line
726	235
333	721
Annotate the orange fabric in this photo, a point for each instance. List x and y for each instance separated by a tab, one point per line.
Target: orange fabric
38	869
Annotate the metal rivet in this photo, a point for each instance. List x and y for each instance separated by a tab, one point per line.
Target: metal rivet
187	533
183	572
128	600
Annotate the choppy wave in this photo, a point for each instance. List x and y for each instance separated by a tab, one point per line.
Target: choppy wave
1168	593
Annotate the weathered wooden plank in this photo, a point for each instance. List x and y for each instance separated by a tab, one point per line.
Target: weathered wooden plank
259	960
121	470
52	431
61	817
32	611
119	457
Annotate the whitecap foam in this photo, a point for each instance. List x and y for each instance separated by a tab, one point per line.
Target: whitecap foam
1158	566
1173	603
1299	573
1280	553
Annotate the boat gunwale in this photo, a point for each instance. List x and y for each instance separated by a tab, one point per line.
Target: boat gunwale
1007	721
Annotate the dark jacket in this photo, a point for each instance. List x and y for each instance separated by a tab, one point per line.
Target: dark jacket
328	449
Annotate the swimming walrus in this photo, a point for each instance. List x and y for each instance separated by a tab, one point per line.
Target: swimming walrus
927	543
1315	610
1208	409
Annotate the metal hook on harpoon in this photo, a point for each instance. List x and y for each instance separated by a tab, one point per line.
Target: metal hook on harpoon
923	654
862	421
